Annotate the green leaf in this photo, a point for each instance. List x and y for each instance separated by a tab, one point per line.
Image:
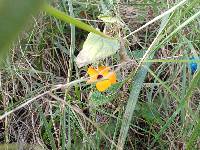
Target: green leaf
137	54
14	14
194	136
95	48
110	19
47	128
98	98
149	111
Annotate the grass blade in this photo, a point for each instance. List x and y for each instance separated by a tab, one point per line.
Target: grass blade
63	125
48	129
158	17
136	87
193	85
182	25
194	136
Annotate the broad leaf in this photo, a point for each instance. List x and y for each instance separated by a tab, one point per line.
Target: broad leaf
95	48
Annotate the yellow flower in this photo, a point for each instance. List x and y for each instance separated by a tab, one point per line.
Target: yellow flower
102	73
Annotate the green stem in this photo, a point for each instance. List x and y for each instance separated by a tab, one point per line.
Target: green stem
62	16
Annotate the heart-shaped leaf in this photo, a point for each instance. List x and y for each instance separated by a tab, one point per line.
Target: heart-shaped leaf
95	48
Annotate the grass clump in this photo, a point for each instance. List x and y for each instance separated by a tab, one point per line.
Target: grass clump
46	101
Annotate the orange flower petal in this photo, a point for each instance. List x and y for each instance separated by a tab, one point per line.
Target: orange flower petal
103	85
112	77
92	72
109	77
103	69
105	74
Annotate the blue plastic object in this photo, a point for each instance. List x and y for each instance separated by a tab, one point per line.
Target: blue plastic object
193	65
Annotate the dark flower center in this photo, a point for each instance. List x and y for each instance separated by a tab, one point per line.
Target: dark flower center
99	76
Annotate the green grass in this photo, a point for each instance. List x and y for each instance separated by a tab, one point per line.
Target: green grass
45	100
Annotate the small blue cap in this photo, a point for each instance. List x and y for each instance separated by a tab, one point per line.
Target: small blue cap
193	65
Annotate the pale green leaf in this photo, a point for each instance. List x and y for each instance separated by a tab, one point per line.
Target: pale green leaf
110	19
95	48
